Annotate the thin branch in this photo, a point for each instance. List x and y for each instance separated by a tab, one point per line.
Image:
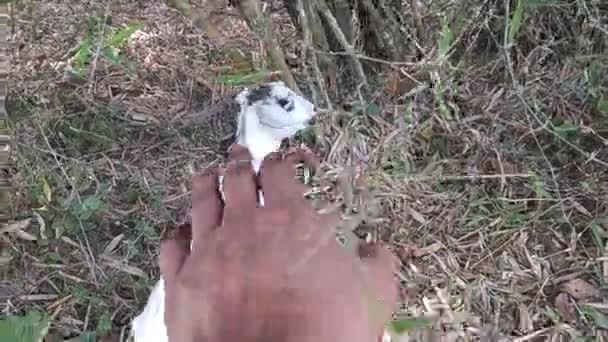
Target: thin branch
350	50
371	59
102	32
304	25
448	178
250	10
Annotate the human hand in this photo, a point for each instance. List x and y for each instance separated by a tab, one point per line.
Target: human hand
273	273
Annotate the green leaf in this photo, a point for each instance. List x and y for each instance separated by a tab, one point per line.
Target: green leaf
81	59
566	129
65	222
46	188
109	53
89	336
122	36
598	235
447	37
408	324
601	320
602	106
29	328
592	75
555	317
373	109
89	207
104	325
539	188
516	21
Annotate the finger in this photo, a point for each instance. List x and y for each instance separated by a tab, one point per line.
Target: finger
240	184
380	265
238	152
278	179
174	251
206	204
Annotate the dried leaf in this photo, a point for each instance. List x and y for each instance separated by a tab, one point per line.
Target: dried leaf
19	225
581	209
113	244
416	215
42	225
25	235
144	118
525	321
565	306
580	289
127	268
420	252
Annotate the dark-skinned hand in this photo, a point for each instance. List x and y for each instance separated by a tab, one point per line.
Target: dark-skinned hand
272	273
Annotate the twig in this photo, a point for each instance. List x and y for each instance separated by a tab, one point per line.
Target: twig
469	177
313	54
371	59
333	23
252	13
102	33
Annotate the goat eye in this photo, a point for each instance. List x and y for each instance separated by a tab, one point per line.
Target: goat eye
283	102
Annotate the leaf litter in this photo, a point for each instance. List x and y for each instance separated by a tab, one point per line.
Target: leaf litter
492	231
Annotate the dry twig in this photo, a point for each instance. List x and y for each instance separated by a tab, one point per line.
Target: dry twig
251	11
333	23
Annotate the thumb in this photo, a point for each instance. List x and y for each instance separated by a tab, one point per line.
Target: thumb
174	250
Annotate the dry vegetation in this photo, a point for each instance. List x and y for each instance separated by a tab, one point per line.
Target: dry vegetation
486	142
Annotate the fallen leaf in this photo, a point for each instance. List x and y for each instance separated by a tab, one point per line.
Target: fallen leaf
565	306
420	252
525	321
581	209
19	225
144	118
580	289
427	132
113	244
416	215
25	235
42	225
127	268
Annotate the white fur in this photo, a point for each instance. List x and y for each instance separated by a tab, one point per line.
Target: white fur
262	126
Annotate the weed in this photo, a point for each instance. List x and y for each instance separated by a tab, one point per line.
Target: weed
29	328
107	41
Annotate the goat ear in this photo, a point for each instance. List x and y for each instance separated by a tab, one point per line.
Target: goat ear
241	98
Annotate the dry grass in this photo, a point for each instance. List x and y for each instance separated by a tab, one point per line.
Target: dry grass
488	150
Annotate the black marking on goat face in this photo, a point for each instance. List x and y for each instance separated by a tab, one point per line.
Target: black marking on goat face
286	104
261	93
